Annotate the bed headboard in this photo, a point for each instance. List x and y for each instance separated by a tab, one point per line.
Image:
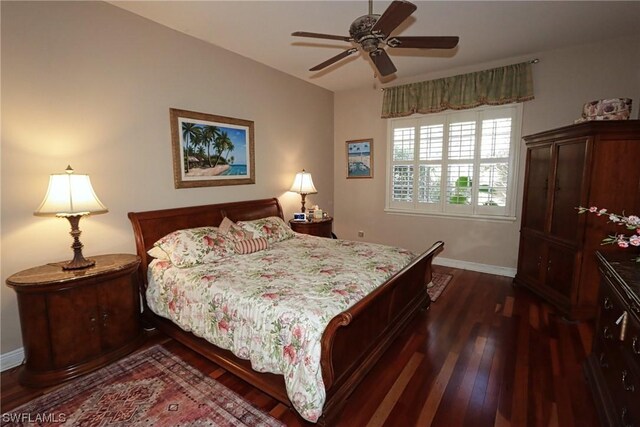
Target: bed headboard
150	226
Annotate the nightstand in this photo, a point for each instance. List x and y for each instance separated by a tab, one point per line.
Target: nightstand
75	321
317	227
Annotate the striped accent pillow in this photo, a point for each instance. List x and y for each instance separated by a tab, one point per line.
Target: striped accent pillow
250	246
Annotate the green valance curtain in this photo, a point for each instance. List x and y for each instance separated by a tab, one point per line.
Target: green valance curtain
502	85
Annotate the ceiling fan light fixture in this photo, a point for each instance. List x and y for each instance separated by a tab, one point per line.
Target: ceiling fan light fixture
370	45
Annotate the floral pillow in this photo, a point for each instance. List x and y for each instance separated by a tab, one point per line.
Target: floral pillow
186	248
158	253
231	229
273	228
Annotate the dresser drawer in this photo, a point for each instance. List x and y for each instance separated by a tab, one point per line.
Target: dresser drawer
610	316
631	344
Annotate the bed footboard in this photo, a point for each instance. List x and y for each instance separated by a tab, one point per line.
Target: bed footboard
356	338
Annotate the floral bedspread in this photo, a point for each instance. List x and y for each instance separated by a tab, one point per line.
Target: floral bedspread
272	306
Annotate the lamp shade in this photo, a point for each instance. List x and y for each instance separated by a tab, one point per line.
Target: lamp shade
68	195
303	183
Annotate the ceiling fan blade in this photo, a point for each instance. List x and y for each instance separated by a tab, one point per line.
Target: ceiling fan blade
397	12
382	62
334	59
321	36
424	42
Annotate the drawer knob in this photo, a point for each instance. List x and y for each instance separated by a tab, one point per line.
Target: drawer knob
627	386
92	320
635	345
608	305
607	333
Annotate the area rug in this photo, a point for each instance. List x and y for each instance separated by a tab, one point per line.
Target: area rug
439	282
150	388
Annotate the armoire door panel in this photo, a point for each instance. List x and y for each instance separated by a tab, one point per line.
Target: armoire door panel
536	192
568	188
560	267
532	254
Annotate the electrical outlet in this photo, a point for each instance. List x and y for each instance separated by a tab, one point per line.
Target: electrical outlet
360	233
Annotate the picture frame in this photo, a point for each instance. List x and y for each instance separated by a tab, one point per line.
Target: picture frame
360	158
211	150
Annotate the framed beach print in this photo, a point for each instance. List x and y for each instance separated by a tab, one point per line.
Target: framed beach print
210	150
360	158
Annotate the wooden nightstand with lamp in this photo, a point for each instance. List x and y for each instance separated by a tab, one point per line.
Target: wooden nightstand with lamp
321	227
77	316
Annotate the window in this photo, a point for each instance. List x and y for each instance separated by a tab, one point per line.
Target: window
456	163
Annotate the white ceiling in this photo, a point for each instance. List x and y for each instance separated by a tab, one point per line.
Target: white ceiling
489	31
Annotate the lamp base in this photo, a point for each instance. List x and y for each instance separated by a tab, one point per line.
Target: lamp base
78	264
303	195
79	261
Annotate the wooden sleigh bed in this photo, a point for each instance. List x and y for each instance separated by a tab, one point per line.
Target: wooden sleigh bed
353	341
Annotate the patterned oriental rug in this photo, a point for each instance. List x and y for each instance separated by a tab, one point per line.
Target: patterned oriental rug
439	282
150	388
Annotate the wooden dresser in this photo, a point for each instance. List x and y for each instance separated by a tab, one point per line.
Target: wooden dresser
75	321
613	367
588	164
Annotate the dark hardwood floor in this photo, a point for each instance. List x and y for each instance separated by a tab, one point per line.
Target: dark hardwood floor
484	354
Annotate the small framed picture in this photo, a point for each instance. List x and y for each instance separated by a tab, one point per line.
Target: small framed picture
360	158
299	216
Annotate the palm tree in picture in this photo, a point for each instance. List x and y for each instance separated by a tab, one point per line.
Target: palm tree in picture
189	133
198	144
209	136
221	144
229	146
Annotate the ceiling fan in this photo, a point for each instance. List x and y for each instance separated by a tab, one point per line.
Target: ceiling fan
370	31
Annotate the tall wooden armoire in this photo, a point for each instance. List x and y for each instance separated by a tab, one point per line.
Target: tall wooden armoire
594	163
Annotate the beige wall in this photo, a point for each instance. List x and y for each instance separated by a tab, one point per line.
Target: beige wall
563	80
90	85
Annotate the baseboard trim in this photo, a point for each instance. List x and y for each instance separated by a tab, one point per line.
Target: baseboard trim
474	266
11	359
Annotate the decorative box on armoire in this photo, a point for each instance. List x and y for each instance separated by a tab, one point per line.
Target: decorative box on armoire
593	163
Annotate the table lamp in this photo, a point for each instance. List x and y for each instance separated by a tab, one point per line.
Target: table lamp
71	196
303	185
